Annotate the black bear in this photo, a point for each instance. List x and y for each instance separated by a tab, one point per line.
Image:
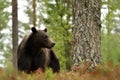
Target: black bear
35	51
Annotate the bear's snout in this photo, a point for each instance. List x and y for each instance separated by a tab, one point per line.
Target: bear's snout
53	44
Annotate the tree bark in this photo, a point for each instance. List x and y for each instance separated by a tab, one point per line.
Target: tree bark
86	32
34	13
14	31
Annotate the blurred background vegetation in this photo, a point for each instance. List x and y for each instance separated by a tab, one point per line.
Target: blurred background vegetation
56	15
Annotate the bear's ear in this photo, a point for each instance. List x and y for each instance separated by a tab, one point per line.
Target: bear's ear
45	29
33	29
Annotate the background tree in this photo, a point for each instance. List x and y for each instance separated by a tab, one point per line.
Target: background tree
14	31
34	13
86	32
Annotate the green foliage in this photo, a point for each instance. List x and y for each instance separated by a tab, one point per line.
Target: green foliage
4	19
110	34
58	23
49	74
110	48
4	15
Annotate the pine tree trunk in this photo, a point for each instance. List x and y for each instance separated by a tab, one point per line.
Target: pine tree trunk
86	32
34	13
14	31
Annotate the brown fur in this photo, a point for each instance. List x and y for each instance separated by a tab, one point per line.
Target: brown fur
35	52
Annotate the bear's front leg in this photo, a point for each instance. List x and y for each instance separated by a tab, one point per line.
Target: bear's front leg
54	62
24	64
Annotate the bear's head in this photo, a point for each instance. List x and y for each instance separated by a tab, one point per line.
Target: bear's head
41	38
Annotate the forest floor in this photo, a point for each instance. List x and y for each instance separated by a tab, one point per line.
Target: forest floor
101	72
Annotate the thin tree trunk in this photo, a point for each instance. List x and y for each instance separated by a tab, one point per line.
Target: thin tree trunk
86	32
34	13
14	31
